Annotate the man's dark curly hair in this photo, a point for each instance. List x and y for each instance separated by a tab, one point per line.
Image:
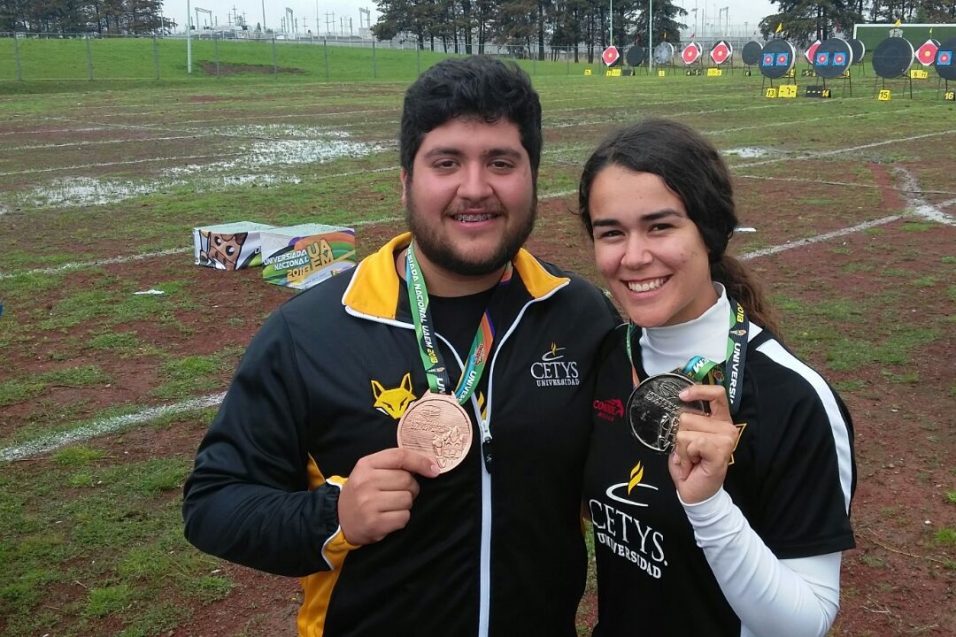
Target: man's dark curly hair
472	87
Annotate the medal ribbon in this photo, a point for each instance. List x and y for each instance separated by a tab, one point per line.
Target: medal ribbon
435	370
702	370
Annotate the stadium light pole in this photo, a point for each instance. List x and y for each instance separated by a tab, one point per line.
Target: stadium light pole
610	15
189	41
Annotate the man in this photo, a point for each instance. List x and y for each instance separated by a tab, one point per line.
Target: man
301	474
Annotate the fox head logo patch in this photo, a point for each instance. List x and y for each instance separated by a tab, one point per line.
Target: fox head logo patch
394	401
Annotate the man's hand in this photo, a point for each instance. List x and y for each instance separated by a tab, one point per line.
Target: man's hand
377	498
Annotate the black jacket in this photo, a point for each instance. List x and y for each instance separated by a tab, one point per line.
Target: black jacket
490	548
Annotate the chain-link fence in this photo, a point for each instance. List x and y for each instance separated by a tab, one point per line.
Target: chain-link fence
224	53
91	57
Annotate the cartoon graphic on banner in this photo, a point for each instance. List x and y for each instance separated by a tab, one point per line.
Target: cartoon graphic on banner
228	246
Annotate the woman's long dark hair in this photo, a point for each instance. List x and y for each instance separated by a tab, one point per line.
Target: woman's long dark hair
692	169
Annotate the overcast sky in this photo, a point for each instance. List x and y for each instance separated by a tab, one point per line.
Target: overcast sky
331	13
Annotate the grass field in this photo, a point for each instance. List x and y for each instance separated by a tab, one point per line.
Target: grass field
105	393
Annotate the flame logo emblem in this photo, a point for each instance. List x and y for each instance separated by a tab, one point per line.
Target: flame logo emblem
553	353
637	474
622	491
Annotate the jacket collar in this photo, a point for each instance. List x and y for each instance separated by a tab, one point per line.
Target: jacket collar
375	286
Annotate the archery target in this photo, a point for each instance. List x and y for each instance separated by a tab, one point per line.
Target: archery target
859	50
777	58
691	53
945	65
926	53
892	57
635	55
663	53
751	53
721	52
832	58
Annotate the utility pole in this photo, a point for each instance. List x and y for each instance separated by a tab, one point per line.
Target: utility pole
189	41
610	13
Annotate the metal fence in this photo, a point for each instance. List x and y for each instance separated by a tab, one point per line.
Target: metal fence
72	57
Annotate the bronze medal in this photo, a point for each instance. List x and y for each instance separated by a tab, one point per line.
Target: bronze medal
654	410
437	426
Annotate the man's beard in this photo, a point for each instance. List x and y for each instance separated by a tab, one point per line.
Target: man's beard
447	256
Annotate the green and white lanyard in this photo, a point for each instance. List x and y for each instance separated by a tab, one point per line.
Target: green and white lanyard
435	369
707	372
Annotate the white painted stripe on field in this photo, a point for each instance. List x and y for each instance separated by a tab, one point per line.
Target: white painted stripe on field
66	267
626	116
920	207
46	131
846	184
105	426
99	142
790	245
829	117
840	151
117	163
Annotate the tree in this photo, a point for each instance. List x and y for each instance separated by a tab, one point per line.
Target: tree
569	22
666	25
13	15
515	26
805	21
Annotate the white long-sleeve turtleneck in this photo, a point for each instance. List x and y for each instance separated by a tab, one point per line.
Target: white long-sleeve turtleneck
665	349
795	597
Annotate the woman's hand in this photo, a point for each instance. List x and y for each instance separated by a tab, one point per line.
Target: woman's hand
704	445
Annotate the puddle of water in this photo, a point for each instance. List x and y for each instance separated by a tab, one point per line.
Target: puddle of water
319	146
83	191
276	131
86	191
748	152
283	152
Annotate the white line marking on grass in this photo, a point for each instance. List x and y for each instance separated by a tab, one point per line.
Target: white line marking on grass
100	142
920	207
817	239
840	151
108	425
66	267
845	184
117	163
47	131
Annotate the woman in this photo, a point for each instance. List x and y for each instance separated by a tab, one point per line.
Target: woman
722	509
